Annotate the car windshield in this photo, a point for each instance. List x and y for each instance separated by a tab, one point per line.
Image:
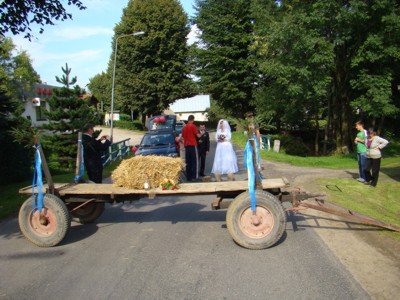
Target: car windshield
169	123
160	139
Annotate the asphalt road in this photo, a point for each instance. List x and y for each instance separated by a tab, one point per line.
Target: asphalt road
170	248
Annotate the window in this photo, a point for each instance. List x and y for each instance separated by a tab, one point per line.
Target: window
40	111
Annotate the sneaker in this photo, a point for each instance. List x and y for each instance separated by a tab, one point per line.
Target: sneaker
366	182
361	179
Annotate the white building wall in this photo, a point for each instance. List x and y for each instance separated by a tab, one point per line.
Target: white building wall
196	106
198	116
30	113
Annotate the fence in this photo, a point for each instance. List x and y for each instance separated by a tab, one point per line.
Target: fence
267	142
116	151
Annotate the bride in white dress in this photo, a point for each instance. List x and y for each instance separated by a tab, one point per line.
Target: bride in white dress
225	161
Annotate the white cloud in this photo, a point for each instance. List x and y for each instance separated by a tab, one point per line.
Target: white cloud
77	32
83	55
193	35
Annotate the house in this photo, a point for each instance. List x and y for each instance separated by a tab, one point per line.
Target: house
35	103
196	106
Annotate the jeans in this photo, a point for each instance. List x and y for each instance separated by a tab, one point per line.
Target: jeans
372	166
361	157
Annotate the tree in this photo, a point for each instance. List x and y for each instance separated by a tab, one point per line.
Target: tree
332	60
223	57
100	86
65	80
18	15
376	64
15	160
67	115
295	64
17	73
152	69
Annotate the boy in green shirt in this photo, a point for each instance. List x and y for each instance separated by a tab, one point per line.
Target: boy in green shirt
360	141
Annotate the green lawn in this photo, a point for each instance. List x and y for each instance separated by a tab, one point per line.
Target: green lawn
391	157
381	203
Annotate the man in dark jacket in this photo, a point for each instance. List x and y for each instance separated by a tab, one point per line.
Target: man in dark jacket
203	147
92	152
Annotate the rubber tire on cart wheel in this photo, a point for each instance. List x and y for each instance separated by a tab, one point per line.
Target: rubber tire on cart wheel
271	215
56	224
87	213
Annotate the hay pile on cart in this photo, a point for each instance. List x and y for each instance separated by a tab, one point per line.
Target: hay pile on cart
133	173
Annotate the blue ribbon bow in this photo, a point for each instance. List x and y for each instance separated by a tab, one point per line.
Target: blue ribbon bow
248	163
82	166
38	181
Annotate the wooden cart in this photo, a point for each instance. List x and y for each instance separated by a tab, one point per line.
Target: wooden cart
84	203
253	229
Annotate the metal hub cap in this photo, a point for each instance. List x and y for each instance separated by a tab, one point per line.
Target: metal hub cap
44	224
259	229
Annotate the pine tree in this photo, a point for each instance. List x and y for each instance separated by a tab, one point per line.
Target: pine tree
68	113
64	80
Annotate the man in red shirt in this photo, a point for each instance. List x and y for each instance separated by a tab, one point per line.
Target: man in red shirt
190	135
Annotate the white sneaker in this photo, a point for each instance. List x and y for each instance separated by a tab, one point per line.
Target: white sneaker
361	180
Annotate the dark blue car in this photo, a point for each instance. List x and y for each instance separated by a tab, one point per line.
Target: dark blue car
158	143
179	126
169	122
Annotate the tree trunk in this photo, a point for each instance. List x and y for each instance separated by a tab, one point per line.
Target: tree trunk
328	124
341	108
143	117
380	126
316	145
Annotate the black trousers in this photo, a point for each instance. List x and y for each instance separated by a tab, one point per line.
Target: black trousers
94	170
371	170
191	162
202	157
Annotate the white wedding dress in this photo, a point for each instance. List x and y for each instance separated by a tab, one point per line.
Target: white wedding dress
225	160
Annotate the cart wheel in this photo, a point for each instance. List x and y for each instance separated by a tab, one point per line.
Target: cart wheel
48	228
242	226
87	213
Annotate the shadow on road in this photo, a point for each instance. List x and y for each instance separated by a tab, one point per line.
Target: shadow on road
297	221
175	213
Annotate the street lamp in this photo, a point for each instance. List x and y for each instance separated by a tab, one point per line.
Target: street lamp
113	80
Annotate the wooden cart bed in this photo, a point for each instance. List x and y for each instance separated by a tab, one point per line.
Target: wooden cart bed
65	189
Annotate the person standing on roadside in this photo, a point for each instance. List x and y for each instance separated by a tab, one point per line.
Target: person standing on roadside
360	141
225	161
203	147
374	155
92	152
190	135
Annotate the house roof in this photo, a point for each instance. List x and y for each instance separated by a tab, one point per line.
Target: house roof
198	103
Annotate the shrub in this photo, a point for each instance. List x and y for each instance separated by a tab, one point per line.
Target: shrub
294	145
124	117
131	125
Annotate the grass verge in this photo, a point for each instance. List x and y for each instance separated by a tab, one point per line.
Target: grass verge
338	162
380	203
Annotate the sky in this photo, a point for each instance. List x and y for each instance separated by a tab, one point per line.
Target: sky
83	42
